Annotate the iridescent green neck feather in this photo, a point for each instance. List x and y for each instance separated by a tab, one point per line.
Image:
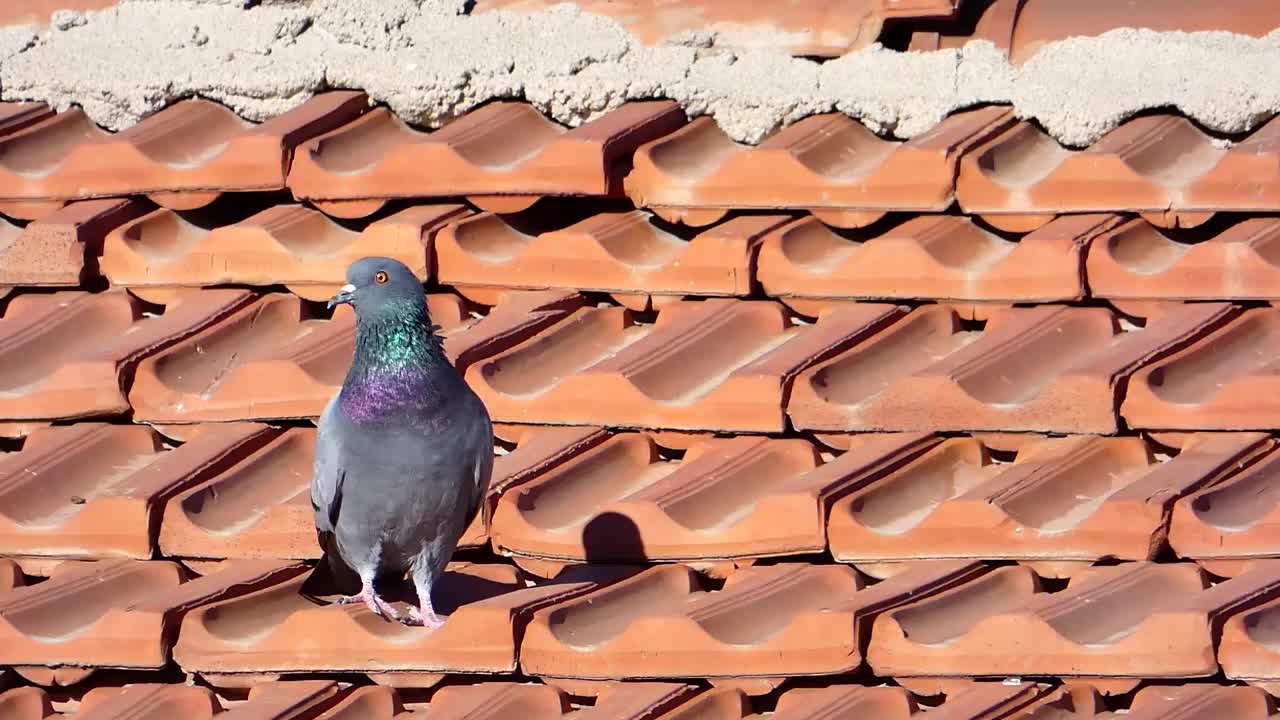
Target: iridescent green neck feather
398	364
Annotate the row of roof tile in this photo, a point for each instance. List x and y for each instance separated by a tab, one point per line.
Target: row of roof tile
328	700
932	624
350	160
553	357
640	258
581	494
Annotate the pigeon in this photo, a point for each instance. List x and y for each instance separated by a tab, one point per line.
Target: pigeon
404	450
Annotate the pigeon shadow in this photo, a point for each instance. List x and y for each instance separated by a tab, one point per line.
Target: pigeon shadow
612	537
331	575
327	579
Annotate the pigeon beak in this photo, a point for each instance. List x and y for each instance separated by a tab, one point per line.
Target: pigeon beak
343	297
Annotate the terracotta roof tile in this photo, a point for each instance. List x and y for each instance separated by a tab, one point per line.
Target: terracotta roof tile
290	245
516	317
1197	702
94	490
987	700
1157	163
809	28
981	701
1045	21
32	209
158	701
1022	27
371	702
115	613
498	700
258	504
293	700
55	677
66	354
494	701
26	703
1248	649
977	701
890	703
994	21
280	630
61	249
614	251
824	161
15	116
1078	498
728	498
1073	701
10	575
1142	620
1221	382
269	360
274	359
1140	261
186	154
537	450
928	256
716	364
501	149
1235	518
1047	368
149	701
790	619
1193	701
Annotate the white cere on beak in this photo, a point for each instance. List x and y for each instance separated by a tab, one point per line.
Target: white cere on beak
348	288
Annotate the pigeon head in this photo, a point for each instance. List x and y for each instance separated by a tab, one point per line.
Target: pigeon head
374	283
398	358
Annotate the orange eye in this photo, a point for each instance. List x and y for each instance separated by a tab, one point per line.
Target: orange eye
380	277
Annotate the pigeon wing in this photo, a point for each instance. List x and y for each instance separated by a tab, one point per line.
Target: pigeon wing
479	450
327	477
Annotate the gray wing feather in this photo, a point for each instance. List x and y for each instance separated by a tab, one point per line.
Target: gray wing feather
327	475
480	449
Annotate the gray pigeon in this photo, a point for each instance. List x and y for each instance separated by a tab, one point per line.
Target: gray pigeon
404	451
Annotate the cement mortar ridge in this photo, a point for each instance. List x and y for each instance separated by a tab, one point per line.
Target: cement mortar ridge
429	63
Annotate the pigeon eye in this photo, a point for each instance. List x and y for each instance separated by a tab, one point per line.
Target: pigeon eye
380	277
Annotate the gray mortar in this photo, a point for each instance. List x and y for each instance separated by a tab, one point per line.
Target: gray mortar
429	63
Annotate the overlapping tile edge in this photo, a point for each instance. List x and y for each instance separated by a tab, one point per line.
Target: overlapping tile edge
1005	170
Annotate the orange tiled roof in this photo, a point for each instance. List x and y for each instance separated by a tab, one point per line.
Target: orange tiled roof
970	426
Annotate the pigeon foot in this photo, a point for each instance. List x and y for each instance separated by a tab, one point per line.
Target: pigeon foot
376	604
420	618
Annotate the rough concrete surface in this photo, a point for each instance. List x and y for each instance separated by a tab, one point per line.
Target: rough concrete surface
429	62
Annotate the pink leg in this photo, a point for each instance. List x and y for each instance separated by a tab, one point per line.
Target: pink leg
424	616
370	597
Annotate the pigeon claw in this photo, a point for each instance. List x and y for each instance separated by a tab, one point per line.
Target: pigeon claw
381	608
376	604
418	618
